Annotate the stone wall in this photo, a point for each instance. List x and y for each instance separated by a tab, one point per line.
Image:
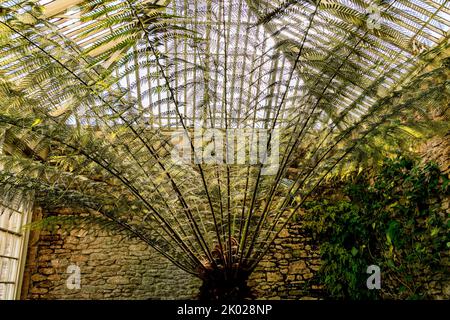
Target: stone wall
115	267
438	151
112	267
286	270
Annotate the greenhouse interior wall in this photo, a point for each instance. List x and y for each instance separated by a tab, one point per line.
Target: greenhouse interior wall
114	266
179	149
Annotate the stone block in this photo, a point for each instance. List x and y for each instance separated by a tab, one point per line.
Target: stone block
274	277
54	277
118	280
72	240
99	256
266	264
284	233
47	271
297	267
38	277
79	258
138	247
39	290
45	257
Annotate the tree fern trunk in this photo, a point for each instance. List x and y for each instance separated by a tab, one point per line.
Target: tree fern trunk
223	285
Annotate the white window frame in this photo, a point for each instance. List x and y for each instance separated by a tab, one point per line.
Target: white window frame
13	243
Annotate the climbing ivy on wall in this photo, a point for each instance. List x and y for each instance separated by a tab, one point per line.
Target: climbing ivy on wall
393	220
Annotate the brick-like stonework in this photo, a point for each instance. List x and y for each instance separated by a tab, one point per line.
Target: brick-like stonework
437	150
112	266
286	270
116	267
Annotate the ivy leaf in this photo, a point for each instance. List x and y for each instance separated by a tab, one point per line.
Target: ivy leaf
388	238
392	232
390	264
354	251
434	232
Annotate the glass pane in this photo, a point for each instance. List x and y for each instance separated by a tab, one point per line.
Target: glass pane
4	237
2	291
11	246
15	222
2	263
10	220
2	242
3	218
15	250
4	270
8	271
6	248
12	272
6	291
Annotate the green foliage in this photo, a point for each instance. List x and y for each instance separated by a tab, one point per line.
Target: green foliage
394	222
80	131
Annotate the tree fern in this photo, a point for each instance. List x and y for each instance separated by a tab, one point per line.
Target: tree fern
85	117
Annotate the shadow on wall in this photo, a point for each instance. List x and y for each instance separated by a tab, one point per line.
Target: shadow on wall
113	266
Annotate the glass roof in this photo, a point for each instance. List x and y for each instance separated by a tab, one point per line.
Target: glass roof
242	67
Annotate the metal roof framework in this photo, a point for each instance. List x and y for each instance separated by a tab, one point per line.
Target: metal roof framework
235	39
